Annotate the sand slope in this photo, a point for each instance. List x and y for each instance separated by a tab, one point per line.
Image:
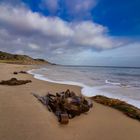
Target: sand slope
22	117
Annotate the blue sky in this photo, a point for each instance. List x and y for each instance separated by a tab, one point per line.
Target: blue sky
121	17
75	32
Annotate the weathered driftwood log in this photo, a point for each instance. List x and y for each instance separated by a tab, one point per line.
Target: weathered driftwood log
63	118
124	107
65	105
15	72
23	72
14	82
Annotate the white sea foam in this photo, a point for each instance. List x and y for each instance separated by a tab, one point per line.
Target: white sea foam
88	91
112	83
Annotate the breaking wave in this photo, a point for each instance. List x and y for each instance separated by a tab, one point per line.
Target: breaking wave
89	91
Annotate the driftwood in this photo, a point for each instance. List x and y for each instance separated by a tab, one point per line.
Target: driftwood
124	107
65	105
15	72
14	82
23	72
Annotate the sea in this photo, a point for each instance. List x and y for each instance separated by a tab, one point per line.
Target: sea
115	82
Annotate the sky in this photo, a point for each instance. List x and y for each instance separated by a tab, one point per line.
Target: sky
73	32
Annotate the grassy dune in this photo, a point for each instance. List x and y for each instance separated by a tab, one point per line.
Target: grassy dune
20	59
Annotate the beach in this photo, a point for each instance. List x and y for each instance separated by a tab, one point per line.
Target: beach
22	117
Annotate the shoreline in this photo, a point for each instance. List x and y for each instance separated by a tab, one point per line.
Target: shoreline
88	91
128	108
23	117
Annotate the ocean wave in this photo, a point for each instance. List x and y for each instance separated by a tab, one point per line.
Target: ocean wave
87	90
112	83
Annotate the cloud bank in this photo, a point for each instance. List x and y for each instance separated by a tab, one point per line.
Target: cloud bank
23	31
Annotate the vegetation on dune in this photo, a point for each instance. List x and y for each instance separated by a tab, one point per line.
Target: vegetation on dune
8	56
20	59
124	107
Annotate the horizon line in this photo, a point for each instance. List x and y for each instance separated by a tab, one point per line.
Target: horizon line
98	66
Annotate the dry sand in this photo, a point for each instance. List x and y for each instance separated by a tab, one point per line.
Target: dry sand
22	117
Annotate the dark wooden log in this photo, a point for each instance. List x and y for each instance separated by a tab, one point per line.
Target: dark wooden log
15	72
23	72
14	82
63	118
65	105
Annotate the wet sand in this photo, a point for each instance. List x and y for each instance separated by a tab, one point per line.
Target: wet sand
22	117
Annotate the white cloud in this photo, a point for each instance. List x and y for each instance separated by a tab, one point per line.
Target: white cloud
75	8
33	46
83	5
24	31
55	30
80	8
93	35
27	21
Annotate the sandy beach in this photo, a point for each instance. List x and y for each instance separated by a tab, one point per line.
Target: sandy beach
22	117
